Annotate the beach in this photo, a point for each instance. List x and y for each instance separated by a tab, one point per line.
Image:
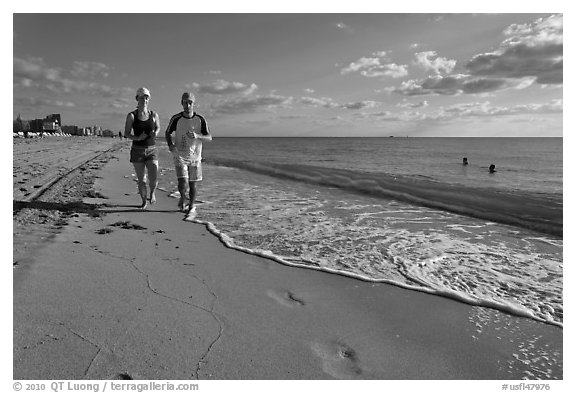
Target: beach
104	290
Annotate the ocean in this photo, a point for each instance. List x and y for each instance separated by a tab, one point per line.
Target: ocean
403	211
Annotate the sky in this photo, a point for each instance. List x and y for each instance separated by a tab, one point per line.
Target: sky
298	74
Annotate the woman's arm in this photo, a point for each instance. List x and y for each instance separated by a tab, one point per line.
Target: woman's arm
128	126
128	129
156	124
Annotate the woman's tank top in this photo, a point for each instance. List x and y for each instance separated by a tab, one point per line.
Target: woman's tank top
144	126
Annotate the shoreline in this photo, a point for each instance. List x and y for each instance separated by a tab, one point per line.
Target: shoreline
146	294
452	295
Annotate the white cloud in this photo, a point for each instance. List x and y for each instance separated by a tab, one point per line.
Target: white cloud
360	105
481	109
323	102
412	105
376	66
531	53
457	84
431	62
36	101
34	72
221	86
531	50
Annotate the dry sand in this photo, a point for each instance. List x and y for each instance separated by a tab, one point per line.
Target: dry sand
121	293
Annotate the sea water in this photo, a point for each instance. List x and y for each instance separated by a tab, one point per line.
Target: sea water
403	211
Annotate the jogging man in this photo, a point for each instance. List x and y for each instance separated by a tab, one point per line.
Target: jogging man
190	131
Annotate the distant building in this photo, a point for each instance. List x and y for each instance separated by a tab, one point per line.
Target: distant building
53	124
72	130
50	126
55	118
36	125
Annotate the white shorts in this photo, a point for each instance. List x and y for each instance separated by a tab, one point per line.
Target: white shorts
185	168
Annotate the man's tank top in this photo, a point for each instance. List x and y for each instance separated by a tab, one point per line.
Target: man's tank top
144	126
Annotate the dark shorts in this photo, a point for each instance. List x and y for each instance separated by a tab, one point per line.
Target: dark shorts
143	154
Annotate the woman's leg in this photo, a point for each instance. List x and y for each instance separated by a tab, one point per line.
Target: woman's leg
140	169
152	167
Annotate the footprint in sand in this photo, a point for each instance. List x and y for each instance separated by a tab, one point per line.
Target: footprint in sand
338	359
286	298
122	376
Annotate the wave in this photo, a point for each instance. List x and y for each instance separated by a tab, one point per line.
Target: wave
512	309
540	212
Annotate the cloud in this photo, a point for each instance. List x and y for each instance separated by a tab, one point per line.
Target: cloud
487	85
309	91
412	105
465	110
442	85
531	50
431	62
34	72
323	102
329	103
292	117
360	105
376	66
89	70
251	104
457	84
530	53
482	109
34	69
35	101
221	86
389	116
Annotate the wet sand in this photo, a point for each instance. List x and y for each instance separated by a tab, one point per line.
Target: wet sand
120	293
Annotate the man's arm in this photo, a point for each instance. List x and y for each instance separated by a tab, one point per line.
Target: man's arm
168	134
203	137
204	131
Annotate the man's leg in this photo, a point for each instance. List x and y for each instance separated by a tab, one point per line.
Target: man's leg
140	169
152	167
195	176
182	175
182	183
192	194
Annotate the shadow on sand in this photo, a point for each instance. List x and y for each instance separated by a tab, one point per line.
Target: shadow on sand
94	210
